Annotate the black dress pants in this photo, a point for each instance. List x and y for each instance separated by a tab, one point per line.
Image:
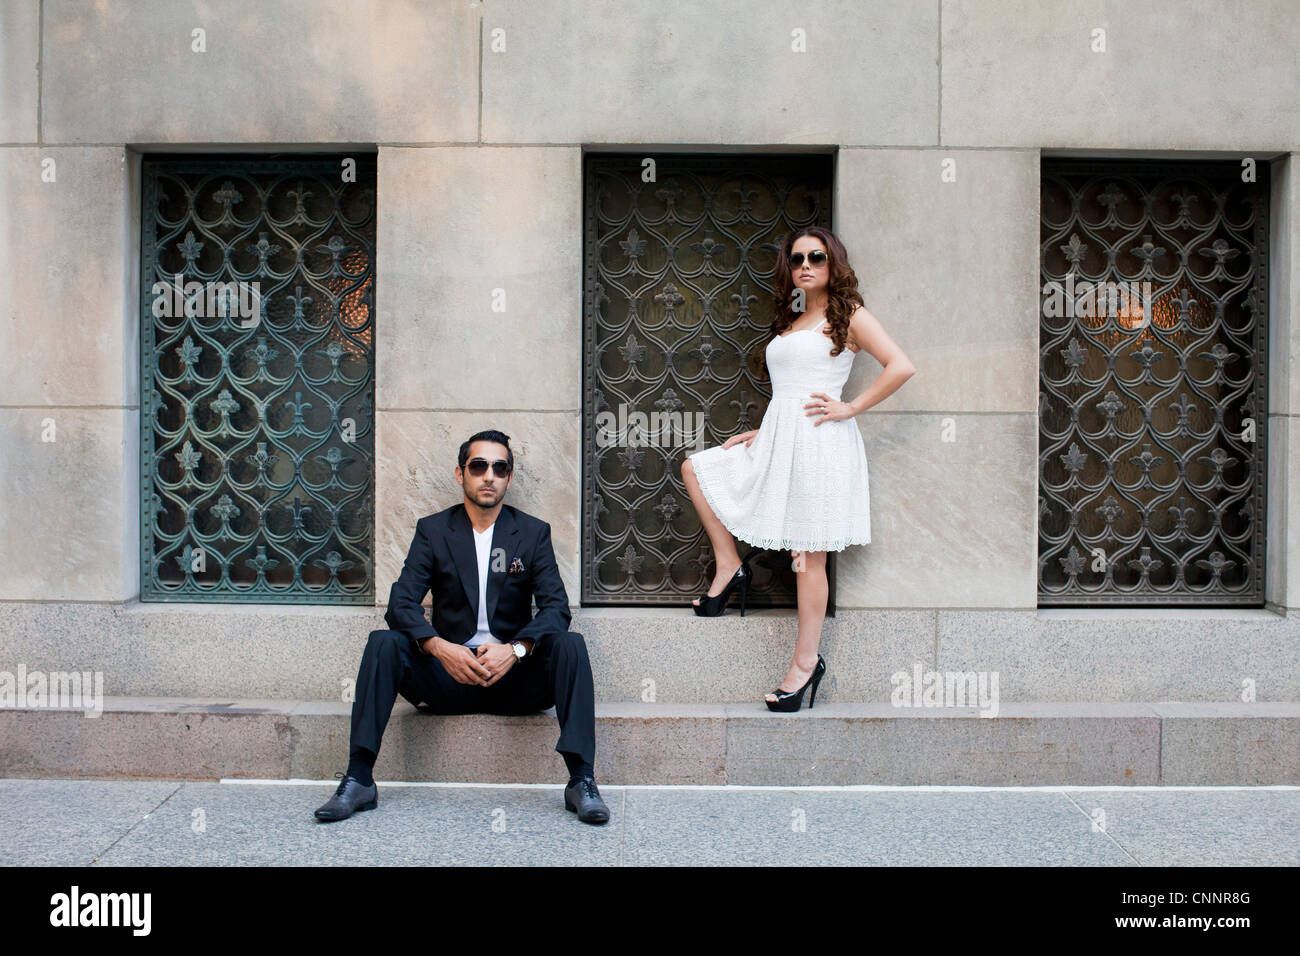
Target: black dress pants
557	673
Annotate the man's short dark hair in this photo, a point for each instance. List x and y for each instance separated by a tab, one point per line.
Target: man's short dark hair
491	435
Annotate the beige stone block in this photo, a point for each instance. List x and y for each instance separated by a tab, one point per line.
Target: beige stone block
319	71
69	528
1282	568
1280	533
1118	654
1283	288
461	230
953	523
1175	75
950	269
718	72
1200	744
1025	745
66	337
19	55
149	738
1286	489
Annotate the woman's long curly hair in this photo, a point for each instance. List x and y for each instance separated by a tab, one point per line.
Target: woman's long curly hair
842	296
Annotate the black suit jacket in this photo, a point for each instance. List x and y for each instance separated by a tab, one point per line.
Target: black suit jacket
442	560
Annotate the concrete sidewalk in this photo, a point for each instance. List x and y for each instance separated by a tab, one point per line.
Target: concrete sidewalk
160	822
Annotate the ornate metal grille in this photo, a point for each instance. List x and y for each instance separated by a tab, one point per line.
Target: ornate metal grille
677	295
1152	414
257	380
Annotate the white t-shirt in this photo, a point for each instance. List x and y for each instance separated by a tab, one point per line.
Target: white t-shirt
483	545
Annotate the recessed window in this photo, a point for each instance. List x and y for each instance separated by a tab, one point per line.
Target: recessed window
1153	383
257	380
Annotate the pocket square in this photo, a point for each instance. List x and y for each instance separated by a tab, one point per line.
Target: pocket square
516	567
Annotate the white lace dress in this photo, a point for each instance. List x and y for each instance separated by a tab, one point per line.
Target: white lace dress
799	486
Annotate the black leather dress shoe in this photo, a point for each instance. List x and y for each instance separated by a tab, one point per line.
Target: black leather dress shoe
583	798
350	797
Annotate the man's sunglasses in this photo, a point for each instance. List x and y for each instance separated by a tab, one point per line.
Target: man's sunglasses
815	258
478	467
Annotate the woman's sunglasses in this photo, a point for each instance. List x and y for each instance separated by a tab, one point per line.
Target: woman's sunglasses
815	258
478	467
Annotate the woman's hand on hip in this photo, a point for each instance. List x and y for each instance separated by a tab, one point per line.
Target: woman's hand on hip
830	409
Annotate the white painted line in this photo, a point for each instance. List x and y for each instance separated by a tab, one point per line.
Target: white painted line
847	788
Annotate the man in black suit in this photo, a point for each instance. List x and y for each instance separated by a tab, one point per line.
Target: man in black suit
485	562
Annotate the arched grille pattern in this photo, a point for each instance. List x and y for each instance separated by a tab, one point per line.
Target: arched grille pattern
677	296
257	445
1152	412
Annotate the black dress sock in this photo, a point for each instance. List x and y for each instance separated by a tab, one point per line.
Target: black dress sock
361	765
577	766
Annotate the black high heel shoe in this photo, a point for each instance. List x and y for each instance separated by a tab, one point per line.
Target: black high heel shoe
789	701
713	606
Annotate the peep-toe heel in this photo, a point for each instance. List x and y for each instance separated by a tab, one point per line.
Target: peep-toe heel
789	701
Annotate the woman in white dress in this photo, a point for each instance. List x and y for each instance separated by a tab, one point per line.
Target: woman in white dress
799	480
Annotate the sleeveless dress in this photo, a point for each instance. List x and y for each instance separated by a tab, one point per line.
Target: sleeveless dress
798	486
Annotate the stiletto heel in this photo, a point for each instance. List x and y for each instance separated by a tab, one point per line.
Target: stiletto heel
715	605
817	682
789	701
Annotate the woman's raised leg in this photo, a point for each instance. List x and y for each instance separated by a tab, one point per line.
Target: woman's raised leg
726	557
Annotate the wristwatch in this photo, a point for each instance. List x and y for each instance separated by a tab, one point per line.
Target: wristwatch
521	651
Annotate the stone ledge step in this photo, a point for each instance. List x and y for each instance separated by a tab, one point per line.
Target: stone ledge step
670	655
1030	744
